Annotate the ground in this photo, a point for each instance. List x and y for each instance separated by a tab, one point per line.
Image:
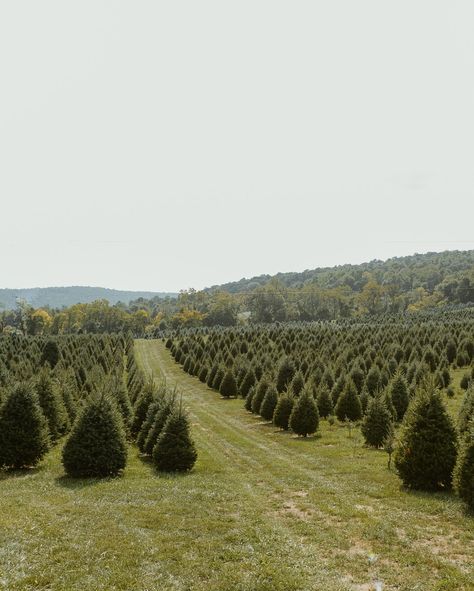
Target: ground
262	510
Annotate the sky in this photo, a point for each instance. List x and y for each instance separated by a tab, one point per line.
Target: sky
159	145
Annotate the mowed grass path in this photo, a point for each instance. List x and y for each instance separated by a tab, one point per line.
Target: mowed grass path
262	510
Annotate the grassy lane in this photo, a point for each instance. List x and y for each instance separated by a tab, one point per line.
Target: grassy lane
328	498
261	511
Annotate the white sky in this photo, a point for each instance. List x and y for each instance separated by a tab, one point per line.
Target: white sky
167	144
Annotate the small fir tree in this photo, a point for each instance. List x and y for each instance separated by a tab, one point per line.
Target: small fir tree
282	413
426	452
228	386
377	422
175	450
348	406
399	395
269	402
463	477
324	402
304	418
97	444
24	433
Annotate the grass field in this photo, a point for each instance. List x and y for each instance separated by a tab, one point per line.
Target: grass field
262	510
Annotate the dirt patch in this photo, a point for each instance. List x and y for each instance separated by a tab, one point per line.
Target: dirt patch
291	509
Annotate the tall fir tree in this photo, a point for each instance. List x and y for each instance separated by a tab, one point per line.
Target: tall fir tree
175	450
348	406
304	418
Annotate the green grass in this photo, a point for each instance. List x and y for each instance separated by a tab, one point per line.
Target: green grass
262	510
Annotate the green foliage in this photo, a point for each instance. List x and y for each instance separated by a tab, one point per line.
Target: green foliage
175	450
286	371
304	418
282	412
96	446
52	405
24	434
324	402
269	403
466	411
399	395
376	425
167	405
463	477
348	406
260	391
228	386
50	354
426	452
297	383
140	408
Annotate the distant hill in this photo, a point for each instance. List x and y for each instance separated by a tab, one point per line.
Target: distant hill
59	297
451	272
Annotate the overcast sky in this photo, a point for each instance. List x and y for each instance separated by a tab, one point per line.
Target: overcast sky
163	145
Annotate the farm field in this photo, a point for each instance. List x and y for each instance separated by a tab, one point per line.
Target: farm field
261	510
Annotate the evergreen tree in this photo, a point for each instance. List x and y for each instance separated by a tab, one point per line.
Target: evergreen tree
248	381
175	450
348	406
376	425
140	408
228	386
220	373
50	354
466	411
297	383
152	411
426	453
52	405
248	400
167	406
463	477
24	433
286	371
282	412
304	418
260	391
97	445
399	395
269	403
324	402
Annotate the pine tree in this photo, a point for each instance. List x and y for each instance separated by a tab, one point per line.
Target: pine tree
466	411
97	445
228	386
175	450
260	391
167	406
249	398
348	406
24	433
376	425
140	408
282	412
324	402
52	405
248	381
399	394
147	424
304	418
297	383
463	477
286	371
269	403
220	373
50	354
426	453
